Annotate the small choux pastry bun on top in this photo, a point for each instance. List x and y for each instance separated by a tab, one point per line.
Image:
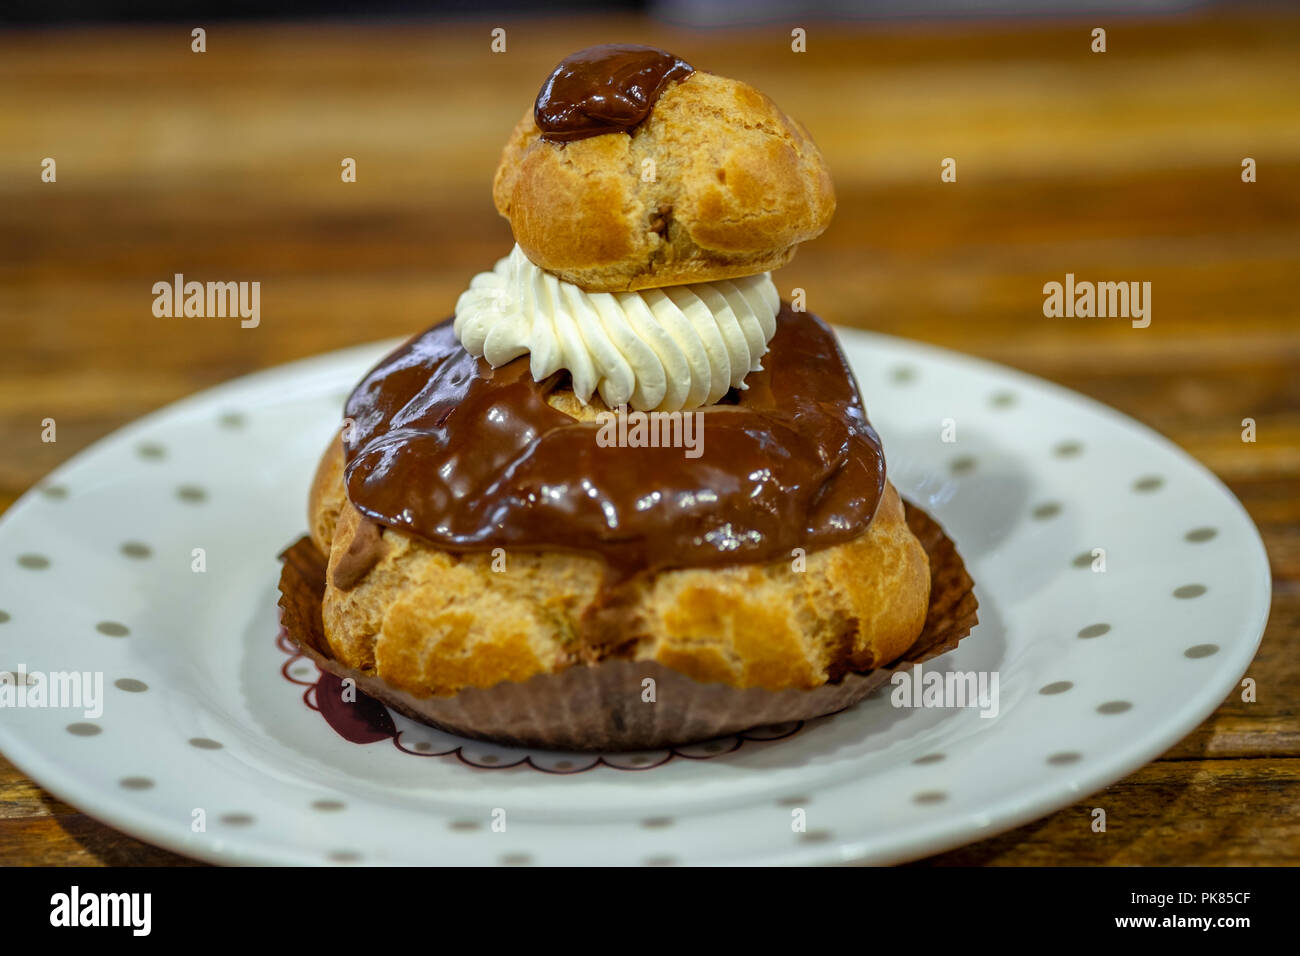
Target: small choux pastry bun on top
710	181
506	550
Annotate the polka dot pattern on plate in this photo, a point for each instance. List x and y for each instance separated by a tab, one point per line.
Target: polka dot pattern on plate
1072	486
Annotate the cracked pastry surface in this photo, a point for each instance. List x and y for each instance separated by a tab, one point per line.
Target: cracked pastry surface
433	622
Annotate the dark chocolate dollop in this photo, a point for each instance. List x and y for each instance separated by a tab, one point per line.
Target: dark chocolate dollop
604	89
472	458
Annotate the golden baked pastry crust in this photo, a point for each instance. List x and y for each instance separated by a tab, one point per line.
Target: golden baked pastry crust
432	622
737	185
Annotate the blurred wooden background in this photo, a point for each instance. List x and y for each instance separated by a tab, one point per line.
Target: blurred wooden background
225	165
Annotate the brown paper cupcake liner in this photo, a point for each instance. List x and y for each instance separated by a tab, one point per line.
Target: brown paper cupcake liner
599	707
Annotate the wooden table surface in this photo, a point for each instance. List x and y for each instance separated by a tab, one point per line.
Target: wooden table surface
1117	165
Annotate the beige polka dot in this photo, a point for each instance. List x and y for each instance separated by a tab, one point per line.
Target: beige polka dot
1114	707
515	859
192	494
112	629
205	743
130	685
1189	591
136	783
33	562
84	730
136	549
1201	650
1056	687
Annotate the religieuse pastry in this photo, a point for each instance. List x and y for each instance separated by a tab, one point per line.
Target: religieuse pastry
625	498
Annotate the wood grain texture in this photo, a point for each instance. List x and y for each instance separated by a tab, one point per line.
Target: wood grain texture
1124	165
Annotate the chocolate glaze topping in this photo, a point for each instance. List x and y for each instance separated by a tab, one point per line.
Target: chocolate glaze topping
472	458
604	89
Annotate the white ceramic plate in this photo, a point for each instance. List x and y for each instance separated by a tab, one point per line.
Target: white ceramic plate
207	746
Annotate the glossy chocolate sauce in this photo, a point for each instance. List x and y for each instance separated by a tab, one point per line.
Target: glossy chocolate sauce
604	89
472	458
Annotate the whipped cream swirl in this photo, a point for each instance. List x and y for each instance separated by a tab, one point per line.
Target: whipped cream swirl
666	349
